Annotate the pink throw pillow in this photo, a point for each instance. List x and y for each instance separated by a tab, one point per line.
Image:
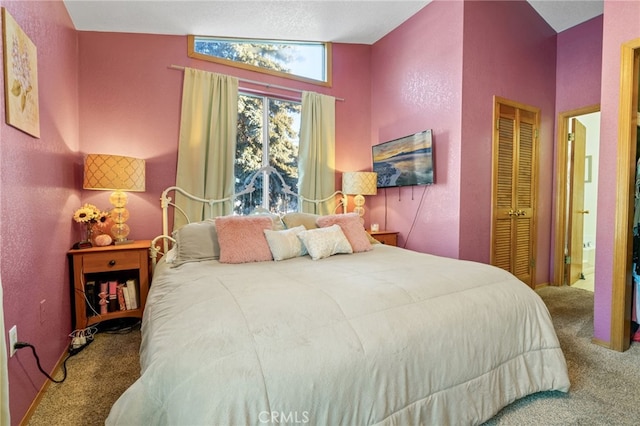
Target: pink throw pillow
242	239
351	227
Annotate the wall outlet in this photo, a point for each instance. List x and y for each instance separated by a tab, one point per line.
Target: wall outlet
13	338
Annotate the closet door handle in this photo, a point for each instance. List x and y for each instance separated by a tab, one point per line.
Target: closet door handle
583	211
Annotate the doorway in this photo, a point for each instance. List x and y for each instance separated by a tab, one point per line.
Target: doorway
621	289
564	221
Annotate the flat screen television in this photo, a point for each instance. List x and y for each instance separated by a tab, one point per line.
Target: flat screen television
404	161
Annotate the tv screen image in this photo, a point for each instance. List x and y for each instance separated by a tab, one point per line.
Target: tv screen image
404	161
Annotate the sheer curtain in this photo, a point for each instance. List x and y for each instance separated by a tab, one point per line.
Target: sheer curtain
206	151
4	375
316	156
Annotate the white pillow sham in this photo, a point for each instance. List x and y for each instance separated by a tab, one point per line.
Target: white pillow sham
285	244
325	242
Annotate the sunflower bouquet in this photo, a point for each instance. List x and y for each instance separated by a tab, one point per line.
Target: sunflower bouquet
90	216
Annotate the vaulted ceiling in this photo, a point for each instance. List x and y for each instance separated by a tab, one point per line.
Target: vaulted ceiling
346	21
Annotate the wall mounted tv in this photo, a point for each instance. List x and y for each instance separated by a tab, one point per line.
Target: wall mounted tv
404	161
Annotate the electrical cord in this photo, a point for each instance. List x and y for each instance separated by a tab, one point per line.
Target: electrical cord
73	351
415	217
80	339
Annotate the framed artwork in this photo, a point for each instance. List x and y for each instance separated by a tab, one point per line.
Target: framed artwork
20	77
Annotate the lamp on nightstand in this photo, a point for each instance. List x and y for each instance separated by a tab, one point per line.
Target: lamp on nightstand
359	184
118	174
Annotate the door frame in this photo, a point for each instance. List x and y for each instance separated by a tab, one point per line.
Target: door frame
562	158
621	288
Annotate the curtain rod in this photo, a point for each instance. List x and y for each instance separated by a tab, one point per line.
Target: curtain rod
259	83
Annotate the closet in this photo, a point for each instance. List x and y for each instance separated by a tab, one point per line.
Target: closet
514	166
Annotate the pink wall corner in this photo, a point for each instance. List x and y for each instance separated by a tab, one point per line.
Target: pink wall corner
621	24
578	78
416	85
38	190
352	82
130	104
515	60
579	66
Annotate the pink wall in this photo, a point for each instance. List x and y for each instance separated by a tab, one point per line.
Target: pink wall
621	24
578	76
130	105
113	93
579	66
416	84
509	51
431	81
38	195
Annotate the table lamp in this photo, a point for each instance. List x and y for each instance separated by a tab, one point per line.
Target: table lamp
118	174
359	184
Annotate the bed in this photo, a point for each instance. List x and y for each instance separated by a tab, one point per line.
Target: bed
375	335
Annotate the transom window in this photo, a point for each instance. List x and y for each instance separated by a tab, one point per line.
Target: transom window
298	60
267	135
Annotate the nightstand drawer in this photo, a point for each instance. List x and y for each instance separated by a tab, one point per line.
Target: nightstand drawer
385	237
111	261
389	239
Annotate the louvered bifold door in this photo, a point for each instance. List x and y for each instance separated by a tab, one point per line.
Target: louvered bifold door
524	223
514	191
503	226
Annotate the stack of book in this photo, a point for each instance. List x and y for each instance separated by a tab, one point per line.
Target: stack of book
102	297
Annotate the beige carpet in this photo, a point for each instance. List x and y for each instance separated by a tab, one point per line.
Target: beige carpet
96	377
605	385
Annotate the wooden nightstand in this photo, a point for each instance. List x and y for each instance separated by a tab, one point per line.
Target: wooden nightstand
113	266
389	238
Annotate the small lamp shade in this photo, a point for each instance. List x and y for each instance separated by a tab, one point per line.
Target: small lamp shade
359	184
115	173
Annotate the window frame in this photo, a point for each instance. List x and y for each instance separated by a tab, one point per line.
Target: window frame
327	45
266	143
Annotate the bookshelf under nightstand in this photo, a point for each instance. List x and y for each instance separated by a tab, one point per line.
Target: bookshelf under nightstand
126	265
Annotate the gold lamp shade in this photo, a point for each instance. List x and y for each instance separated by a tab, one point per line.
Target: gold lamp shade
119	174
359	184
114	173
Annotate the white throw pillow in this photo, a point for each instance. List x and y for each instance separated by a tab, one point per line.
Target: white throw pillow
325	242
285	244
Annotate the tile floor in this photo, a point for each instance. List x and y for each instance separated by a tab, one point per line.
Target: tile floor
586	284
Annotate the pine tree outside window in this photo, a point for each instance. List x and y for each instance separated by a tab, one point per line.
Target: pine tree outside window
267	126
267	135
298	60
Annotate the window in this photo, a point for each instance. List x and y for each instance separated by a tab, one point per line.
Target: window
298	60
267	135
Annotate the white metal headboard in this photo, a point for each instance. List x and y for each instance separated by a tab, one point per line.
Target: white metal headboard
166	202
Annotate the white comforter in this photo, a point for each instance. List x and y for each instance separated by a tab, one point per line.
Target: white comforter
388	337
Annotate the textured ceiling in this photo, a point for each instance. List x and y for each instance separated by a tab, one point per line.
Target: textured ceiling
347	21
564	14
